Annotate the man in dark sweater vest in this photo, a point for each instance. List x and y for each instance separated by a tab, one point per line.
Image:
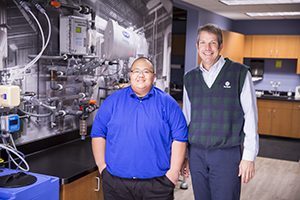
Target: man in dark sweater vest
220	107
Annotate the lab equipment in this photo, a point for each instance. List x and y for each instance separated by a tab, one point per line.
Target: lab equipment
73	35
121	43
10	123
9	96
45	187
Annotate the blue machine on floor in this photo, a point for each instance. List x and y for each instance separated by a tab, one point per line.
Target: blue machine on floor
39	186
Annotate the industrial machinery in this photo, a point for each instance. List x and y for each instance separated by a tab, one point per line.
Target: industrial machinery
121	43
60	60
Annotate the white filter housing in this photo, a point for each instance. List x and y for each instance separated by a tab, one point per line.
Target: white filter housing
121	43
9	96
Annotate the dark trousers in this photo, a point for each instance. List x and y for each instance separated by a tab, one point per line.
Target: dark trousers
215	173
115	188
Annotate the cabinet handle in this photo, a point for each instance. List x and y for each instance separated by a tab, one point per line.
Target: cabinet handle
98	184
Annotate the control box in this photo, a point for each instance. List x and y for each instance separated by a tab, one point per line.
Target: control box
9	96
73	35
10	123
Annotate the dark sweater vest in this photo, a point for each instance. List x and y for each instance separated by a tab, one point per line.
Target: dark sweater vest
217	117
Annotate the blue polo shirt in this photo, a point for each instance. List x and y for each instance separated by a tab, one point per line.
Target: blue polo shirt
139	132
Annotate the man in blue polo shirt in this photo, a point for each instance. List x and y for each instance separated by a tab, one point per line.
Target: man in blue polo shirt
139	139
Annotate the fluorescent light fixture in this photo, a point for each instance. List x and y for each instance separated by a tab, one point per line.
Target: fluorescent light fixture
256	2
270	14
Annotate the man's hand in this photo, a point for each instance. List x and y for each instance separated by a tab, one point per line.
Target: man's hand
173	175
185	169
246	170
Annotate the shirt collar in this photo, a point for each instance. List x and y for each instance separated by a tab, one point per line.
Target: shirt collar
150	93
219	64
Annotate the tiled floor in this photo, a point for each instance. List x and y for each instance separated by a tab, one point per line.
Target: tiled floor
274	180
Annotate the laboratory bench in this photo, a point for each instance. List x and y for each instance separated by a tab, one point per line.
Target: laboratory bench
68	161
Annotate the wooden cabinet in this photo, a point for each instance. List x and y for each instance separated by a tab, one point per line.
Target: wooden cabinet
287	46
272	46
263	46
87	187
277	118
296	120
233	46
248	46
264	118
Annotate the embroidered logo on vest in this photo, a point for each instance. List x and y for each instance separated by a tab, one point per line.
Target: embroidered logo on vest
227	85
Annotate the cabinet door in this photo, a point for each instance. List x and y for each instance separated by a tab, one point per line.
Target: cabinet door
281	120
83	188
264	117
264	120
287	46
248	46
233	46
295	121
263	46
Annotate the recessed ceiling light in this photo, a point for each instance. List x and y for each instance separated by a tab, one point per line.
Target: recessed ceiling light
270	14
255	2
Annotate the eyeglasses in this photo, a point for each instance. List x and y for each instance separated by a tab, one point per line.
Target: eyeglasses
144	72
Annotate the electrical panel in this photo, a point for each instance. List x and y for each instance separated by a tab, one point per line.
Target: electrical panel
73	34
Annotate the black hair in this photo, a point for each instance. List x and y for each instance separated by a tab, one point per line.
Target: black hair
143	58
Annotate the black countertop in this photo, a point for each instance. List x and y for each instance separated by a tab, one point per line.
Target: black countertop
279	98
68	161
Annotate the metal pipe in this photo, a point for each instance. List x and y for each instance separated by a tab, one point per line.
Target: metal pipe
48	57
36	114
70	97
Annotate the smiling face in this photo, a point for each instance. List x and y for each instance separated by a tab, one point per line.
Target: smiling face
208	48
142	76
